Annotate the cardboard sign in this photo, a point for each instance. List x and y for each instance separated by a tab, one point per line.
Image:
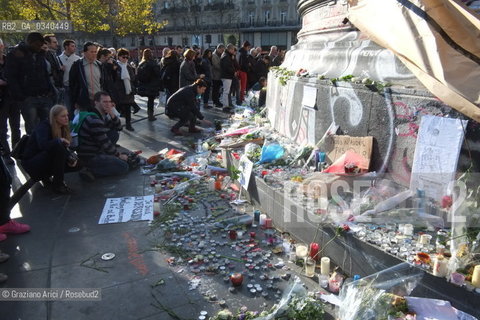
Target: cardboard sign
336	146
127	209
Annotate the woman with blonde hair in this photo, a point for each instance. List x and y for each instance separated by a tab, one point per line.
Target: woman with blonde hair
47	156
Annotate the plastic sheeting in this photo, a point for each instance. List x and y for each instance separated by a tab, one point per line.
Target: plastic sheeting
436	39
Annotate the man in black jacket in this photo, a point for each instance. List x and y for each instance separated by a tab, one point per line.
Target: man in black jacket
244	68
227	74
86	78
28	80
56	67
183	105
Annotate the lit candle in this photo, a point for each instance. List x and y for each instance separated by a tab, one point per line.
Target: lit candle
325	266
425	239
440	266
301	251
476	276
408	229
314	247
158	188
262	219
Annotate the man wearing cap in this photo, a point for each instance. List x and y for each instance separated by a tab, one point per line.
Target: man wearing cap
29	81
244	68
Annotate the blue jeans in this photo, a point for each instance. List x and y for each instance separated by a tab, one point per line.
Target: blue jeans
104	165
34	110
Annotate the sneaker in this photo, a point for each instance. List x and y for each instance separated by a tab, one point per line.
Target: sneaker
14	227
3	277
176	131
86	175
194	130
3	237
3	256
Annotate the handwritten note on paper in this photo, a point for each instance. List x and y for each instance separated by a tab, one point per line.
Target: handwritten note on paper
127	209
309	96
436	154
245	167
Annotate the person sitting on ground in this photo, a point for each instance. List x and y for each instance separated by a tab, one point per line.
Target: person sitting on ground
98	134
183	105
262	83
47	152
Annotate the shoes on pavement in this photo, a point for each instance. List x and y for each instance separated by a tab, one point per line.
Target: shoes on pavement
3	256
136	108
152	118
86	175
194	130
227	110
207	106
176	132
129	127
14	227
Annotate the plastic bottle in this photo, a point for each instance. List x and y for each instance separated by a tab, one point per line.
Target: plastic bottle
199	146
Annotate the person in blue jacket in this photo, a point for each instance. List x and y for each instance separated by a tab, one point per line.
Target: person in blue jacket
47	154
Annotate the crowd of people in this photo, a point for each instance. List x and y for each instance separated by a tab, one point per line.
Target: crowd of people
71	104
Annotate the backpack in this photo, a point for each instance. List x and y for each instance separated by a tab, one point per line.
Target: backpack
20	147
143	73
76	124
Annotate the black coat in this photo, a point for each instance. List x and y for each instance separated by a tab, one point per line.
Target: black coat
122	96
183	102
152	87
227	65
171	73
27	73
261	68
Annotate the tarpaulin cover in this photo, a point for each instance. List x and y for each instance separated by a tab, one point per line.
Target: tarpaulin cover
438	40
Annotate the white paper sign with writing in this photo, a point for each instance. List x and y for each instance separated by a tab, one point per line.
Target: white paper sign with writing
309	96
436	154
127	209
245	166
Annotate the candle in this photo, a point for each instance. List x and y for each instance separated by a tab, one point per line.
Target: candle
301	251
408	229
310	267
325	266
268	223
156	207
314	247
262	219
425	239
440	266
256	216
158	188
476	276
232	234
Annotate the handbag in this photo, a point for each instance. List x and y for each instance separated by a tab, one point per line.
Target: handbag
20	147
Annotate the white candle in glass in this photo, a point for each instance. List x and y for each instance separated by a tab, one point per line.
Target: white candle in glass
325	266
440	268
476	276
301	251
